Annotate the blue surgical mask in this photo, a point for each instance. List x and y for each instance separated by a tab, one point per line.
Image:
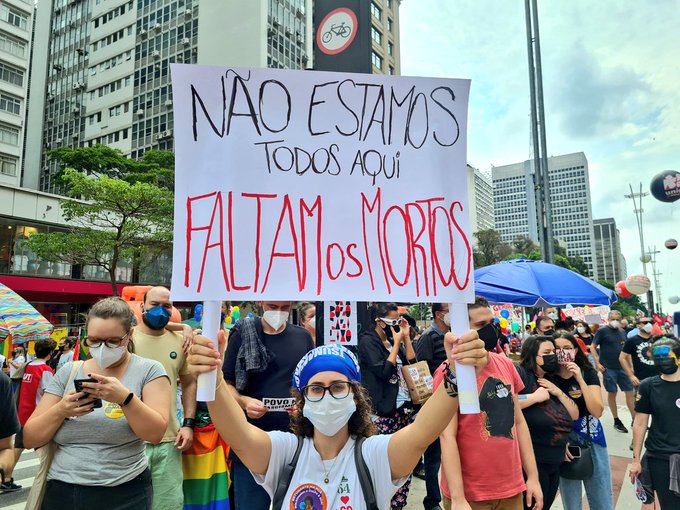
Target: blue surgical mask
156	317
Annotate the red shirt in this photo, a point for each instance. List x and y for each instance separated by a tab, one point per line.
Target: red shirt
487	442
29	389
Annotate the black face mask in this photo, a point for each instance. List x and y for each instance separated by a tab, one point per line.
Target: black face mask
549	332
550	363
666	366
489	334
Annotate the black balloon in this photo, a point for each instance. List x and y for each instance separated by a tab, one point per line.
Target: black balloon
671	244
666	186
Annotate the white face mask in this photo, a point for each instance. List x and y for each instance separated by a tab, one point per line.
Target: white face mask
275	318
447	319
329	414
614	324
107	356
581	330
312	322
647	328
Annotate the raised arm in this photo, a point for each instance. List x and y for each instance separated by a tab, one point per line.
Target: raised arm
251	444
408	444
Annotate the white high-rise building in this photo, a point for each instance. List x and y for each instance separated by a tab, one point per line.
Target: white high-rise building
102	72
16	24
480	200
572	220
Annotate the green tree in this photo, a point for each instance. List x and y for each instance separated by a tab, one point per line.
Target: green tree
156	167
523	244
490	248
111	221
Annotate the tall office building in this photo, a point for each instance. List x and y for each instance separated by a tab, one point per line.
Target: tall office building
480	200
385	35
610	263
103	74
16	24
515	205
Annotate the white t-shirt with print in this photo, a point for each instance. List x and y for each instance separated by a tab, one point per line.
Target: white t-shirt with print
307	489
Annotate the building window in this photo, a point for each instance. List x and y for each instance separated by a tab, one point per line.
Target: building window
14	17
376	11
389	4
377	60
13	46
376	35
9	135
390	70
11	75
390	48
10	104
8	165
390	25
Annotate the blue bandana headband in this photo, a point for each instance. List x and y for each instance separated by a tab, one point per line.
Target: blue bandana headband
327	358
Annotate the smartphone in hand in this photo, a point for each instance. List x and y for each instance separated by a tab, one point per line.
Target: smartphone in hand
78	383
575	451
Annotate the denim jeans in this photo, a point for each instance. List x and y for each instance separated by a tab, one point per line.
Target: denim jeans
598	487
137	494
247	492
433	459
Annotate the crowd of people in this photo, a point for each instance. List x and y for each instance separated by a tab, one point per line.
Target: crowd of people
318	426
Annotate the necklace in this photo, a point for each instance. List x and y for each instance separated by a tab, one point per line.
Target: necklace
327	473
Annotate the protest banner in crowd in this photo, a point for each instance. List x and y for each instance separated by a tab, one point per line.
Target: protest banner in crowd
316	185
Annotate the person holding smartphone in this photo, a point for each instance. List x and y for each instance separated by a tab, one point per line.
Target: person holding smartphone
382	353
99	460
578	379
548	411
659	398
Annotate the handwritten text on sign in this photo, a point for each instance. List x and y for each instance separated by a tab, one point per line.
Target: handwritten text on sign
312	185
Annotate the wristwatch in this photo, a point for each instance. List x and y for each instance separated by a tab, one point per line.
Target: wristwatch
189	422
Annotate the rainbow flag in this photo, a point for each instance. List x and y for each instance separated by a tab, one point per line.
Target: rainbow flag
206	475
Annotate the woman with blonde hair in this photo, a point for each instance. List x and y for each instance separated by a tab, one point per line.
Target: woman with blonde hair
100	429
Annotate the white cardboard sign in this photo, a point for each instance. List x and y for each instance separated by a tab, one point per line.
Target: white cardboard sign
314	185
340	322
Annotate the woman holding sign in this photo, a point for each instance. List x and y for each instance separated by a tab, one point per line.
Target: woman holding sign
382	353
333	415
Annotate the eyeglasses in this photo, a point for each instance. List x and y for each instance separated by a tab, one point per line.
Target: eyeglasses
112	342
337	390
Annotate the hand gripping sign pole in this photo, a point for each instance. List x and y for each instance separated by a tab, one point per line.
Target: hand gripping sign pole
468	396
212	314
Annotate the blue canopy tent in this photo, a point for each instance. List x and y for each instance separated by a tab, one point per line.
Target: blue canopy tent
536	283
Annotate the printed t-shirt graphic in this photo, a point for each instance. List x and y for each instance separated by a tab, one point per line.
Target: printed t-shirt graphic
307	487
498	410
495	425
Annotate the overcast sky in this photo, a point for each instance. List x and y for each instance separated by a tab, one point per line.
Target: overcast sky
611	79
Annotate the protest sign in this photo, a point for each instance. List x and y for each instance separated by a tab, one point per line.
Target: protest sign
317	185
589	314
340	322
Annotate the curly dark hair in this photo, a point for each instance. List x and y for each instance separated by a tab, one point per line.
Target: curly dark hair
360	423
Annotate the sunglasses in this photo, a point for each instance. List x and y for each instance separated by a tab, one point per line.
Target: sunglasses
661	351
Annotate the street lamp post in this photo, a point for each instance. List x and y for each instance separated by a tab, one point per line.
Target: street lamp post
636	197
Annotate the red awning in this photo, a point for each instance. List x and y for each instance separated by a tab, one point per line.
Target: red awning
52	290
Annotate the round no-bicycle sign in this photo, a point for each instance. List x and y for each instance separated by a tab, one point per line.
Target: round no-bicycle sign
337	31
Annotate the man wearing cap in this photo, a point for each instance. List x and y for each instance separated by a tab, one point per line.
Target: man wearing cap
261	355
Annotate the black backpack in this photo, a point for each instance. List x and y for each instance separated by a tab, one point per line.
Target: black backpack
362	470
